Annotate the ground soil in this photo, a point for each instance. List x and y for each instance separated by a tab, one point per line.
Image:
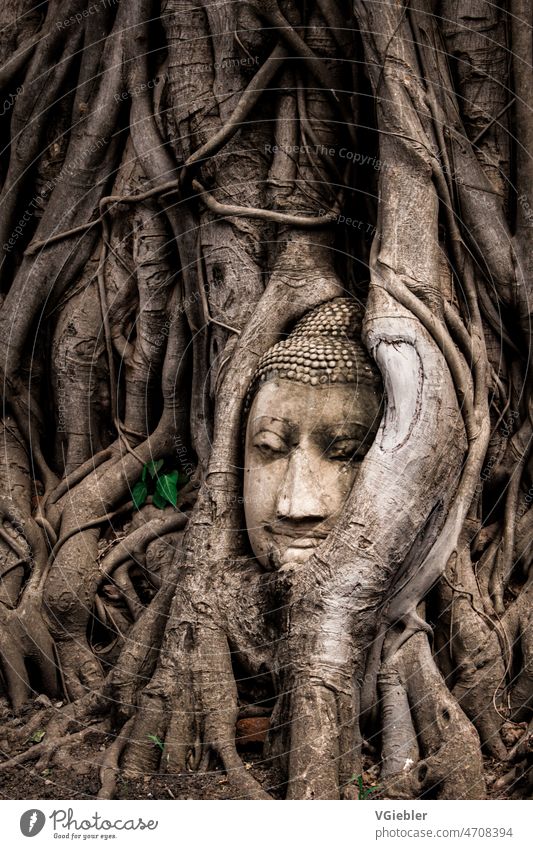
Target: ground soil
77	778
75	774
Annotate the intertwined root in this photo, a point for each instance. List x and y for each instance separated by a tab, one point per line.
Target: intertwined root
171	275
26	642
441	747
186	721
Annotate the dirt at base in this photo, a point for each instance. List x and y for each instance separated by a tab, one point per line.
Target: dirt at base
80	780
75	775
83	783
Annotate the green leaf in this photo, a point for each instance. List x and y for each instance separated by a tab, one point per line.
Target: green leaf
139	494
368	792
143	473
167	488
37	736
363	793
156	741
182	479
158	501
153	467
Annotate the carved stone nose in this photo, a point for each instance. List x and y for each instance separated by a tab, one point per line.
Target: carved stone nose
301	497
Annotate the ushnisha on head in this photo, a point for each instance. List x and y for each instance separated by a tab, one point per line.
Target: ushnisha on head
313	408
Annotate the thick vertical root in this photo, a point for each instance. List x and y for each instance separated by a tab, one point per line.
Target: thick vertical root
110	764
399	749
451	766
321	728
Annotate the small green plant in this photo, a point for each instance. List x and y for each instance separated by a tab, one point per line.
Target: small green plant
364	793
37	736
156	741
163	488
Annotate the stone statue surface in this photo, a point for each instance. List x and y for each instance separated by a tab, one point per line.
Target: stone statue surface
313	409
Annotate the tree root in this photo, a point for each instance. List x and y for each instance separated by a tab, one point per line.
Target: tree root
109	767
174	692
44	752
24	635
231	211
451	766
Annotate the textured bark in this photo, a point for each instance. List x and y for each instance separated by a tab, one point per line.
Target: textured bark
180	185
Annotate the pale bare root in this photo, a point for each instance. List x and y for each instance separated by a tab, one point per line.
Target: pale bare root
449	765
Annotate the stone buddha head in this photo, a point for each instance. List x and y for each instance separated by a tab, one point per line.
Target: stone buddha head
312	411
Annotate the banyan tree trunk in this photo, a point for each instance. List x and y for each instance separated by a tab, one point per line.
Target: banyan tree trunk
187	183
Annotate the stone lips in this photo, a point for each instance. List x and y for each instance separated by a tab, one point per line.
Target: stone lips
322	348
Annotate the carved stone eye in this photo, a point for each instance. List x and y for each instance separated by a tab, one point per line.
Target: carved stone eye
270	444
343	449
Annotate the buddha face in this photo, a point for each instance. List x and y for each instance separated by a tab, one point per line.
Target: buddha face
303	448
